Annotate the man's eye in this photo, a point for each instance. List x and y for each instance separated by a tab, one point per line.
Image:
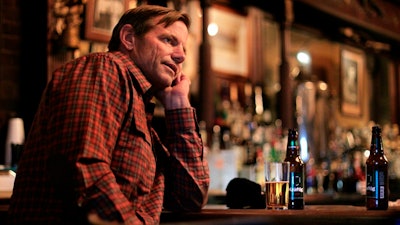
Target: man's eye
168	40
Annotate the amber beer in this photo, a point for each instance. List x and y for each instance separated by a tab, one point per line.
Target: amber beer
377	174
277	194
277	185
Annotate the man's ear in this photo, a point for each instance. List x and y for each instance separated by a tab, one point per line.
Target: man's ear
127	36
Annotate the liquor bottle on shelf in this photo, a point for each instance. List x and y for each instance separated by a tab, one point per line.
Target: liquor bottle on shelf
297	171
377	195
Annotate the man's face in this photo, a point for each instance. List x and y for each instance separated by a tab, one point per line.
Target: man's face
160	53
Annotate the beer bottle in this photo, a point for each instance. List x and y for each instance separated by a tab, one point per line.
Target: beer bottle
296	180
377	173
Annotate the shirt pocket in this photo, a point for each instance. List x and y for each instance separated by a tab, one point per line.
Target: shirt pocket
135	161
139	126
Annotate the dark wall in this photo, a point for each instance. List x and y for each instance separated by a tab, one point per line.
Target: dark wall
33	76
23	61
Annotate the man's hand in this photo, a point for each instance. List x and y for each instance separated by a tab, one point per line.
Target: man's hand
94	219
176	96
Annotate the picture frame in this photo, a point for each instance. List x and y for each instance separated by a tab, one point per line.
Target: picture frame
352	77
101	17
229	51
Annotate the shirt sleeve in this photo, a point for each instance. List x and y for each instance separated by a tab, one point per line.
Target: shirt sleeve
187	175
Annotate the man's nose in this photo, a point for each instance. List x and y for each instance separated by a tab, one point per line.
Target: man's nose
179	55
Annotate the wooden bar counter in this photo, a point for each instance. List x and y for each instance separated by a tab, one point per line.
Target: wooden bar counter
311	215
324	214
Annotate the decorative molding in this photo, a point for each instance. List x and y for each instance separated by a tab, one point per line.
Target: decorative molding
379	16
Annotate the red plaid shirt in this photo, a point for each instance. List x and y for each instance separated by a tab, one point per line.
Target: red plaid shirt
91	149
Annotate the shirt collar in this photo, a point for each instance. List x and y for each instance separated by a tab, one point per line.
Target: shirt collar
137	74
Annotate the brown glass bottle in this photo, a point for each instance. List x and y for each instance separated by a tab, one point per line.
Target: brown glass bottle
377	173
296	180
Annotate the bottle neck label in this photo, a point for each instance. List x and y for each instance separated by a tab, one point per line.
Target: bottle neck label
292	150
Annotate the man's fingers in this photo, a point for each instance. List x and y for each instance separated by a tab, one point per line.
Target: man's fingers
94	219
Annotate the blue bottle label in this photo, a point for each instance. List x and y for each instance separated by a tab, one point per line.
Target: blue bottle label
296	188
376	184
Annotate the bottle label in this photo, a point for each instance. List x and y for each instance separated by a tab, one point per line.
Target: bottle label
292	147
376	184
296	188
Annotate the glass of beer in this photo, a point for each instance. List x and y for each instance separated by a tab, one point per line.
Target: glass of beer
277	184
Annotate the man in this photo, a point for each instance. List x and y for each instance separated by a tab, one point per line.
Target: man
92	156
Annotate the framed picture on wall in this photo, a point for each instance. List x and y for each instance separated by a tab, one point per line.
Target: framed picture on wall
352	75
229	42
101	17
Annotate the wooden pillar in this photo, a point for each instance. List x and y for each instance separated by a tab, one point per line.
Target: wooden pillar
285	97
207	108
395	93
256	56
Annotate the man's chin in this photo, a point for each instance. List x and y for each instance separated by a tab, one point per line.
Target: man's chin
163	81
161	87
